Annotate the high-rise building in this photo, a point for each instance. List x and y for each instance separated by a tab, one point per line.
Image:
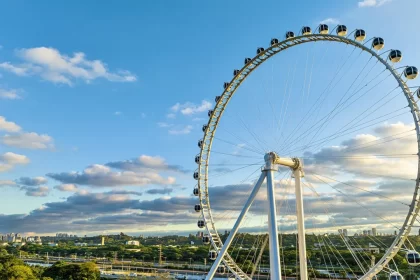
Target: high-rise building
369	232
345	233
374	231
103	240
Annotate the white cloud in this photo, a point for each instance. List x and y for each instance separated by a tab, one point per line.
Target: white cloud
171	116
372	3
8	126
152	161
18	70
184	130
53	66
9	160
9	94
28	140
13	158
358	155
189	108
117	113
38	191
144	162
103	176
330	21
164	124
143	115
66	187
7	183
175	108
35	181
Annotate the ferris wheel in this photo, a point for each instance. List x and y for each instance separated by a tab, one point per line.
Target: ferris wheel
339	132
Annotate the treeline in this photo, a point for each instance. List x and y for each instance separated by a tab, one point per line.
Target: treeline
12	268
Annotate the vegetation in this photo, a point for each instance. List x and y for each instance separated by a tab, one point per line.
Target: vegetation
179	252
12	268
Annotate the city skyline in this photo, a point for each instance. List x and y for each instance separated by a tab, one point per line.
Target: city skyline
89	122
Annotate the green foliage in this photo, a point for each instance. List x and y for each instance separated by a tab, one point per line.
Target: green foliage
410	276
14	269
64	271
19	272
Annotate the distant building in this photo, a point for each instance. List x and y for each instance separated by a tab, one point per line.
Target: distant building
80	244
133	242
374	233
65	235
192	243
199	234
34	239
103	240
373	249
345	233
51	244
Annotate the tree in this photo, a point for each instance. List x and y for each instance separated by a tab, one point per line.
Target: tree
89	271
12	268
411	276
64	271
19	272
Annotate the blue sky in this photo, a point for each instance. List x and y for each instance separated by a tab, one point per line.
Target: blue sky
94	82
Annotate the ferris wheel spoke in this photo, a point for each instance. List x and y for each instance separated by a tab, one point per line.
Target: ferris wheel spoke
258	140
238	146
329	89
350	248
318	101
235	155
280	122
283	115
318	177
224	172
261	151
383	141
339	103
318	125
330	116
370	113
351	130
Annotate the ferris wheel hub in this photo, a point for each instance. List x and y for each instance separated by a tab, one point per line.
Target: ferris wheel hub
272	159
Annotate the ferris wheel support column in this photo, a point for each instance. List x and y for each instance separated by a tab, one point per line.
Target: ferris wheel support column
275	268
300	225
235	228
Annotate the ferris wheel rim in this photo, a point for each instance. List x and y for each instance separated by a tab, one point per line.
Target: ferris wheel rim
230	88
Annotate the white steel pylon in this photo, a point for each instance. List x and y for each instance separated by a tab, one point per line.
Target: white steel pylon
272	161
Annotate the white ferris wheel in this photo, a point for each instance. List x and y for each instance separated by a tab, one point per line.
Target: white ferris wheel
325	136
